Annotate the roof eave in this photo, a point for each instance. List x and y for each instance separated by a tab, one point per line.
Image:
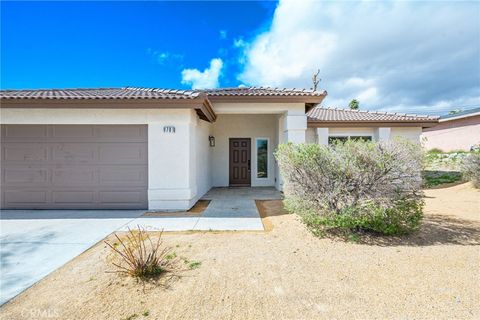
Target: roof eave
199	103
420	123
207	110
269	99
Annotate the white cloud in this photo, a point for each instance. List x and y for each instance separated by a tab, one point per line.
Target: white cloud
163	57
403	55
223	34
206	79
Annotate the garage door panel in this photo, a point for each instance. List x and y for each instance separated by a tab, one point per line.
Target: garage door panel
122	153
74	167
25	175
120	197
115	175
25	131
63	132
124	133
25	152
15	197
74	176
73	197
75	152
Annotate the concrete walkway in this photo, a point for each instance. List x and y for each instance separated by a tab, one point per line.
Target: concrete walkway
230	209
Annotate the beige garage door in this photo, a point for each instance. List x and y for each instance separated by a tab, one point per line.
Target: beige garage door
74	167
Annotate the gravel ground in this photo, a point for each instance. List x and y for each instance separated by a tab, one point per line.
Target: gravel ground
286	273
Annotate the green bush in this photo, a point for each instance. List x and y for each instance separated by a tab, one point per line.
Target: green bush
354	186
471	168
437	178
435	151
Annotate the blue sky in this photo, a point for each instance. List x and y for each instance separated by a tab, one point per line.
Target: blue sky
111	44
415	57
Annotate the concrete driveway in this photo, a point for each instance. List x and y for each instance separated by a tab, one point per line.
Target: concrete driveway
34	243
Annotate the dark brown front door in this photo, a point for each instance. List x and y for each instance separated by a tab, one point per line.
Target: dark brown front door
240	152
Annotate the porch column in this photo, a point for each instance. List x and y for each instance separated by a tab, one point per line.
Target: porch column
322	136
295	127
291	128
383	134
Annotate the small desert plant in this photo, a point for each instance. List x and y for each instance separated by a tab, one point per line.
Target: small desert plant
194	264
141	257
471	168
356	185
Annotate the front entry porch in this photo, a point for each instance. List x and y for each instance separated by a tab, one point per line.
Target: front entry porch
237	202
229	209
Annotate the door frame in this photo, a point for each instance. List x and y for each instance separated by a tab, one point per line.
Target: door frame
230	163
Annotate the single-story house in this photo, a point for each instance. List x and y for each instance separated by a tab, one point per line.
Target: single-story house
459	131
161	149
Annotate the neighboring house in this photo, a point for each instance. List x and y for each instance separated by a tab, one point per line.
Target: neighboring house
162	149
327	124
459	131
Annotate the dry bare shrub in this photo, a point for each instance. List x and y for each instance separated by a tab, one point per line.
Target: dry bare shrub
369	185
141	257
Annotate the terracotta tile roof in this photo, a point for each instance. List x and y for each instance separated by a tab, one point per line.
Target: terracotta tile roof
319	114
100	93
152	93
263	91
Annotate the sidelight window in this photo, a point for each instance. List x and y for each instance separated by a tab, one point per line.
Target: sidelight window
262	158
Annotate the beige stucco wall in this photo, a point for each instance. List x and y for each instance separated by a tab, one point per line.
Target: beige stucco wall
259	108
311	135
243	126
460	134
412	133
351	132
377	133
202	158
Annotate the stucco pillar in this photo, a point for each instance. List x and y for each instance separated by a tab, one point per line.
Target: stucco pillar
383	134
322	136
291	128
295	127
171	171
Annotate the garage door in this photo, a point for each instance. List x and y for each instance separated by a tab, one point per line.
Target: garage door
74	167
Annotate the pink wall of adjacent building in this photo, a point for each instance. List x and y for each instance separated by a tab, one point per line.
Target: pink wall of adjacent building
459	134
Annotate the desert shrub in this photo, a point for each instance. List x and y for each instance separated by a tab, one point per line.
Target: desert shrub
356	185
141	257
444	161
438	178
435	151
471	168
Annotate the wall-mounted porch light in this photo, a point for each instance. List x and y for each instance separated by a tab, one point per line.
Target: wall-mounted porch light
211	139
